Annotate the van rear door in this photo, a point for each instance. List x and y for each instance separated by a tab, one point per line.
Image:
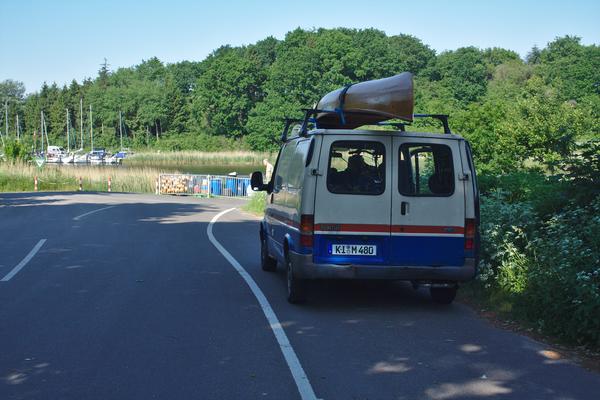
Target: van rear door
353	200
428	203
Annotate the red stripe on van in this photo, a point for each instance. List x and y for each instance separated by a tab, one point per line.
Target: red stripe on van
386	228
352	228
427	229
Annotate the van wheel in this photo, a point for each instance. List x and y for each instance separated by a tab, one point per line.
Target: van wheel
443	295
267	262
296	287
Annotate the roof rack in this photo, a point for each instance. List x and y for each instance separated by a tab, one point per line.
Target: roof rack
402	125
442	117
310	113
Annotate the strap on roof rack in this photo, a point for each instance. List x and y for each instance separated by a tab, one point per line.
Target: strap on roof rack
342	99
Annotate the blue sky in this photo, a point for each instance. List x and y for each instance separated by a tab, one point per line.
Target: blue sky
56	41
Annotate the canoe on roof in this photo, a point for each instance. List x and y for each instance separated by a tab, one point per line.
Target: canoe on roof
368	102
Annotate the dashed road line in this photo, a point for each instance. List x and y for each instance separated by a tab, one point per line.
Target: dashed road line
302	382
24	261
77	218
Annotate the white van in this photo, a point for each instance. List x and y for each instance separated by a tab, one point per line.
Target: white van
372	204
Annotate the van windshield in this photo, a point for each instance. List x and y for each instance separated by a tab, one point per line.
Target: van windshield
356	167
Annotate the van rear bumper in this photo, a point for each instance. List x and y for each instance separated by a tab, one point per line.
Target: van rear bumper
305	268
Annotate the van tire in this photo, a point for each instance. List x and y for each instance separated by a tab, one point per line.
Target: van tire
296	287
443	295
267	262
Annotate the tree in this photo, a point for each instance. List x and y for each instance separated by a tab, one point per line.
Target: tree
463	72
571	67
12	90
534	56
227	90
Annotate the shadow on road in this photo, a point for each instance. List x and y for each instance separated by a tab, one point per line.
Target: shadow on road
135	295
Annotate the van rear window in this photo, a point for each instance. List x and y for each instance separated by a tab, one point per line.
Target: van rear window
425	170
356	167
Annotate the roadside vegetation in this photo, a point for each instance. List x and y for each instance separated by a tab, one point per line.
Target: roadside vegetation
256	204
533	123
19	177
540	259
182	159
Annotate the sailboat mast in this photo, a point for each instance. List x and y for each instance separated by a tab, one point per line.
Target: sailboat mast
121	129
42	130
68	137
91	129
81	122
6	117
46	132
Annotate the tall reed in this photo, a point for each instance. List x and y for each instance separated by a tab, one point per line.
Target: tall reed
186	158
20	177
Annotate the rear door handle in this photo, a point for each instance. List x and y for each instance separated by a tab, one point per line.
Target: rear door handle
403	208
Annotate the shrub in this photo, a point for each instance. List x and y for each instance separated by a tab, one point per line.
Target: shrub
544	268
15	151
564	286
504	234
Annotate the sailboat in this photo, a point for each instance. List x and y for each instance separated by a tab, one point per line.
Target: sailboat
53	154
118	157
79	156
69	158
95	156
38	157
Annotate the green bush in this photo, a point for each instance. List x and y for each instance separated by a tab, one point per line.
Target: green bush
563	294
16	151
543	268
504	234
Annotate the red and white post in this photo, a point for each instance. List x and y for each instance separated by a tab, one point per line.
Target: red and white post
109	184
80	184
157	188
35	183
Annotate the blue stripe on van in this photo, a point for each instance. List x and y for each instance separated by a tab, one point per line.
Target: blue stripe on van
394	250
427	250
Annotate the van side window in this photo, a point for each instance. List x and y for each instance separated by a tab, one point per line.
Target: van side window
356	167
297	165
425	170
283	166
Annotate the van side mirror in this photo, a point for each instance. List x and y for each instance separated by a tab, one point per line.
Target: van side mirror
256	181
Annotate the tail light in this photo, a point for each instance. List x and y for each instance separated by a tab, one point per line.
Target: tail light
307	223
469	234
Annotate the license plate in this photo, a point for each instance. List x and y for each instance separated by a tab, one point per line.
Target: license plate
353	250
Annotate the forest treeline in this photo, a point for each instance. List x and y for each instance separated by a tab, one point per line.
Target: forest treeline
511	109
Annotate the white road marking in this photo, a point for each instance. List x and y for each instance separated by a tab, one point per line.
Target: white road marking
24	261
302	382
77	218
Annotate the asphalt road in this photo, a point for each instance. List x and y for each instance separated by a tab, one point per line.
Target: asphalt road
132	301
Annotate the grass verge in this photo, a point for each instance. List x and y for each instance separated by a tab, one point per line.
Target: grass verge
19	177
256	205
